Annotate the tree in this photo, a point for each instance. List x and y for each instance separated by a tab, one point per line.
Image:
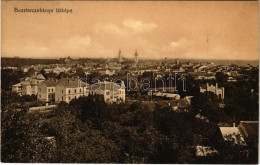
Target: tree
221	77
21	139
30	72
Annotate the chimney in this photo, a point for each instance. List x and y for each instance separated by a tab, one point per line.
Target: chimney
234	124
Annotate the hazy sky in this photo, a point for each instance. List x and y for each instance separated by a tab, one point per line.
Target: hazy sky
156	29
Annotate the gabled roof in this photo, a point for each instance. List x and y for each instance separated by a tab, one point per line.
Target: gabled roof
249	129
17	85
40	77
232	133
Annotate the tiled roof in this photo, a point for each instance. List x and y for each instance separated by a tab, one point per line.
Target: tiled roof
40	77
249	129
49	83
105	86
71	82
233	133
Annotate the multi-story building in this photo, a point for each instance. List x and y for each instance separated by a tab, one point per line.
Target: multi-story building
28	85
111	91
17	88
67	89
70	88
215	89
46	91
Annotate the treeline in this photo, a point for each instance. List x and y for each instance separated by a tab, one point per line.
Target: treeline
20	62
89	131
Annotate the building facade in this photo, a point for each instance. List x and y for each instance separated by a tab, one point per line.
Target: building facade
46	91
70	88
220	92
28	85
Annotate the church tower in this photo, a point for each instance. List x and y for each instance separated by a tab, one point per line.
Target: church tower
120	58
136	57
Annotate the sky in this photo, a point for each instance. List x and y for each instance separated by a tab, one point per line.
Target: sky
156	29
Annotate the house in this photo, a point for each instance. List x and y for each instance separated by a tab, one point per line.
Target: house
202	151
28	85
107	72
188	99
17	88
46	91
249	130
232	134
112	92
114	65
214	89
70	88
171	96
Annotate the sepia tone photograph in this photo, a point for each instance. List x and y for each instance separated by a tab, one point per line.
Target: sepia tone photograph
130	82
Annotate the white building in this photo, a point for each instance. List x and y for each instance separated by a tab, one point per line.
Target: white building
111	91
107	72
211	88
70	88
67	89
29	85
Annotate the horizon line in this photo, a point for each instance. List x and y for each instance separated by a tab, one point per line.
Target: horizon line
49	58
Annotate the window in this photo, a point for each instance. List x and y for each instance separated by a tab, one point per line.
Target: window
61	91
75	97
49	96
49	90
40	89
39	96
52	90
69	91
69	98
80	90
62	98
75	90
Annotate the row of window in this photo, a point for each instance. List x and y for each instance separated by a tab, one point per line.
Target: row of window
75	91
49	90
69	98
49	96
